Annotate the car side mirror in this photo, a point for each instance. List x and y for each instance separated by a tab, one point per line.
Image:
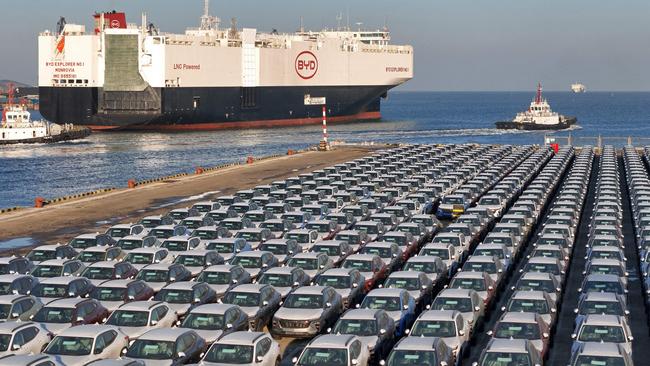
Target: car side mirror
630	338
172	279
178	323
405	307
181	354
328	305
15	347
574	336
259	358
234	281
124	350
461	332
154	322
321	266
80	318
477	308
15	315
382	331
354	361
197	300
265	302
294	360
355	285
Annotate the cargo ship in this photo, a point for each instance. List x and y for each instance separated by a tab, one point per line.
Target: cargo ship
126	76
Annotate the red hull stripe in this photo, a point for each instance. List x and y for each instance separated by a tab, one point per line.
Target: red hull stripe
244	124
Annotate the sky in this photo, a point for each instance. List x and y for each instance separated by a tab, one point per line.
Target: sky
459	45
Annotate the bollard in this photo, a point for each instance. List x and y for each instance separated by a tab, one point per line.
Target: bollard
250	160
131	183
39	202
198	170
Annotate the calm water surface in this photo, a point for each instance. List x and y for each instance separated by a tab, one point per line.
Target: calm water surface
110	159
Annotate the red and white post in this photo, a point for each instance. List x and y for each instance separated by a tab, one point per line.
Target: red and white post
325	144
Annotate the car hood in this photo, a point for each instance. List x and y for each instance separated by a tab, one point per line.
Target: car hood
135	332
344	292
180	309
73	360
153	362
370	341
416	294
251	311
227	256
368	275
95	283
139	266
395	315
156	286
111	305
281	257
195	270
452	342
210	336
298	314
46	300
254	272
220	289
56	328
284	291
311	272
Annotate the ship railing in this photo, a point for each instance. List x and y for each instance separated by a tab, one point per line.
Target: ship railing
406	50
597	141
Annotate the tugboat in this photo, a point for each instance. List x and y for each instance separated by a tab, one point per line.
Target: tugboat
17	127
539	116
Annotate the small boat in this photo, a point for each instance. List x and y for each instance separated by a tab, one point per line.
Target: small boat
17	127
578	88
539	116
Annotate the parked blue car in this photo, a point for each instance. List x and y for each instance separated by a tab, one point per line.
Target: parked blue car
398	303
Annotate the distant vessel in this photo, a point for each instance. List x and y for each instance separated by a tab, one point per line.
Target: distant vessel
578	88
124	76
539	116
17	127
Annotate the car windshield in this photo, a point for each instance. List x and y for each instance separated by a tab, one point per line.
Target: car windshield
6	288
490	252
278	249
361	265
175	296
79	243
214	278
151	349
273	226
551	241
601	307
277	280
299	237
203	321
47	290
426	267
69	346
383	252
409	284
139	258
434	328
351	239
248	262
175	245
359	327
606	254
162	233
381	302
5	340
459	201
542	267
221	247
397	239
130	244
190	260
584	360
547	253
299	301
443	253
370	229
330	250
218	215
412	358
529	305
536	285
98	273
321	228
41	255
4	310
505	359
603	286
119	232
614	270
91	257
108	293
242	298
517	330
477	284
601	333
153	275
54	315
313	356
338	282
128	318
150	223
231	354
480	267
464	305
425	221
304	263
206	234
232	225
249	236
47	271
192	223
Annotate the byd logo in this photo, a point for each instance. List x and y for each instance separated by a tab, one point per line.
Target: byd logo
115	23
306	65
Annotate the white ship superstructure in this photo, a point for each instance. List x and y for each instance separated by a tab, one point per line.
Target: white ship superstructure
123	75
578	88
539	116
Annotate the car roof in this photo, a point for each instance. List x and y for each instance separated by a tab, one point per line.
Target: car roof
103	264
405	274
417	343
602	319
117	283
469	274
55	262
241	337
455	292
252	253
164	334
309	255
12	277
195	252
158	266
362	257
528	295
280	270
65	303
386	292
220	268
519	317
361	314
182	285
213	308
89	330
508	345
601	296
61	280
332	341
248	287
10	327
601	349
439	315
140	305
338	272
310	290
48	247
148	250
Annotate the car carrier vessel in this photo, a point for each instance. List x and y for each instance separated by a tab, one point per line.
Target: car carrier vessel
126	76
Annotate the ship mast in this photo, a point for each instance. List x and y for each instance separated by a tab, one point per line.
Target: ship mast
208	22
538	97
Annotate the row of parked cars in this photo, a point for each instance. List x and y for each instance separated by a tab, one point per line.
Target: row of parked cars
167	287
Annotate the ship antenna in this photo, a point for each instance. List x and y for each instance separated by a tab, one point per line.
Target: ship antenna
208	22
339	17
538	98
